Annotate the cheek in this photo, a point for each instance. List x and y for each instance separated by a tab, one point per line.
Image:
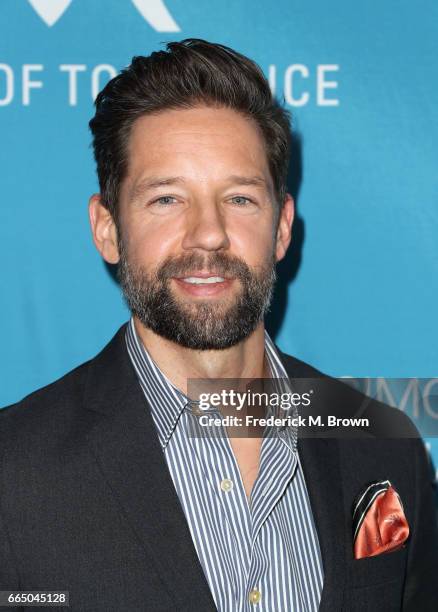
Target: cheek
252	241
149	243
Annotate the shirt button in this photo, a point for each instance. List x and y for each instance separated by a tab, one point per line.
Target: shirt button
226	484
254	596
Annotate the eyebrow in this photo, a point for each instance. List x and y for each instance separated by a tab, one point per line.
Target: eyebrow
153	182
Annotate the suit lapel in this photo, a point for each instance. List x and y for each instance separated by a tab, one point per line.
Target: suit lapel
322	471
124	441
320	461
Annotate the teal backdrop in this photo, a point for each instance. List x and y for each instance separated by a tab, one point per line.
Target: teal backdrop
358	293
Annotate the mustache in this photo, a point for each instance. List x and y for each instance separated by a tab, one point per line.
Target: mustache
223	265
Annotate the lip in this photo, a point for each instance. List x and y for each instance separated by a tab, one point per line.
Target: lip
203	274
212	289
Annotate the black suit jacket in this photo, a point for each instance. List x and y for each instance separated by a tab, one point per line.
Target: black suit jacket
87	504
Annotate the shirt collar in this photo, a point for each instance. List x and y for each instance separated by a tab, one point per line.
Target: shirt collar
167	402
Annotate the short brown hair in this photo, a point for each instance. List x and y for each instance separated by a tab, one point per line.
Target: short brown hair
190	72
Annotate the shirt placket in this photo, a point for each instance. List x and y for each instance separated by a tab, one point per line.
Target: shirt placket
217	461
277	466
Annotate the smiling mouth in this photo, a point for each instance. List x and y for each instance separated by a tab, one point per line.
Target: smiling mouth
204	284
199	280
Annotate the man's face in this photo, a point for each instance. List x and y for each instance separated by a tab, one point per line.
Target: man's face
196	240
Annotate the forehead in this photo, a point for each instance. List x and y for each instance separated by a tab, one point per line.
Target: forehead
201	139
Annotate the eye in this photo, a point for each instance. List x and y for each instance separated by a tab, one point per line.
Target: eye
241	200
165	200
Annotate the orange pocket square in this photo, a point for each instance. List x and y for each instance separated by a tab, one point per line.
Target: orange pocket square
379	522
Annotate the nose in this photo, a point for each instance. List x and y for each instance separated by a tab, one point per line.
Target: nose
206	228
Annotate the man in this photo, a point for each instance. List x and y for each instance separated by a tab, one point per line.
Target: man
105	490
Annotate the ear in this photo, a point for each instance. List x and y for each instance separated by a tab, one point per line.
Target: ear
103	229
284	227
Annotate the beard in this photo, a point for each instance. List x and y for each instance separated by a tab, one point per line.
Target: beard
209	324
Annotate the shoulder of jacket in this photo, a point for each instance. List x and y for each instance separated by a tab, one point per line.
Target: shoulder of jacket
386	421
47	404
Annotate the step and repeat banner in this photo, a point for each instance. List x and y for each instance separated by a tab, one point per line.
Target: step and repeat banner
357	294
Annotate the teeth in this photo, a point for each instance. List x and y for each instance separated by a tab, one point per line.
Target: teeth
196	280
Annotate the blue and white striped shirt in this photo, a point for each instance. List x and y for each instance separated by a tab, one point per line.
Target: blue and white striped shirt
264	556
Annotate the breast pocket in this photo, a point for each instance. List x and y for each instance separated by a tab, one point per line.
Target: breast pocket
379	569
376	583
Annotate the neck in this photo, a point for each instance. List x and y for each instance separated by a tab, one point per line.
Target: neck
244	360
